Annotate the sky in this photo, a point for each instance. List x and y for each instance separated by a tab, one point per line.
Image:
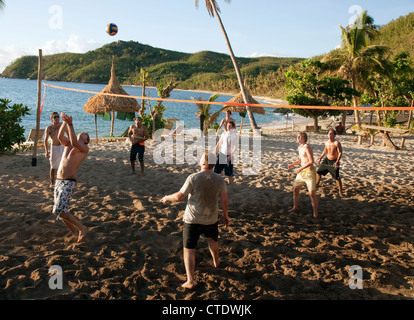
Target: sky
299	28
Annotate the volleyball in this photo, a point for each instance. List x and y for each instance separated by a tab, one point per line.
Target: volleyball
112	29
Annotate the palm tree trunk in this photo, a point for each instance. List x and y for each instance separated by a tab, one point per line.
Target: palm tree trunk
315	124
144	82
239	77
355	100
202	119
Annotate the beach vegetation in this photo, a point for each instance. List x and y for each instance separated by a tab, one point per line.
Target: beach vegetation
356	59
207	119
11	130
155	119
307	85
394	89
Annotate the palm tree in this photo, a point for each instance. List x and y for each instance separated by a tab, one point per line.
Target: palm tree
1	4
206	119
214	10
356	58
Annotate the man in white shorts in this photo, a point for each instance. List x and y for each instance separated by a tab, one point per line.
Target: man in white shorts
56	148
75	151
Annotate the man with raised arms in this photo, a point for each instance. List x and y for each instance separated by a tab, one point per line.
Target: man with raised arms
76	150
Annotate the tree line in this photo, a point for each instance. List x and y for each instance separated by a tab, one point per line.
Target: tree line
361	71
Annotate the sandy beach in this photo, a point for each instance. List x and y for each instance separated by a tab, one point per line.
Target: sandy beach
134	247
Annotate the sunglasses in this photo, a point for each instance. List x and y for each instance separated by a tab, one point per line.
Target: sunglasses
54	117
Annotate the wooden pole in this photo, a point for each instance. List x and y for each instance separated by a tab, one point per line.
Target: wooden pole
96	128
39	96
141	111
112	123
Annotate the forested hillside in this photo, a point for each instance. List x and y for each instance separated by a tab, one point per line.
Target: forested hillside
398	35
203	70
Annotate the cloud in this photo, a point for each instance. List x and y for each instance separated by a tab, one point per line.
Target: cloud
11	53
73	44
274	53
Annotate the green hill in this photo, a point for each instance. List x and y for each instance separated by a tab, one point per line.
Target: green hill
398	35
95	65
202	68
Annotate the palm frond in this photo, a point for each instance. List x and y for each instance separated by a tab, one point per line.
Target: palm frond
213	118
210	5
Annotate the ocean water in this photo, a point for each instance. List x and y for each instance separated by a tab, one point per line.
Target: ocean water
72	103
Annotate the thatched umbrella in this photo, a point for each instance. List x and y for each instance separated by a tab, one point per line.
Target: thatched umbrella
102	103
242	109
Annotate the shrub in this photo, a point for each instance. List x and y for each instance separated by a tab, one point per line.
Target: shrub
11	131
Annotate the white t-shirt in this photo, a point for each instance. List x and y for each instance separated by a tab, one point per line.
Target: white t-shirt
229	142
196	211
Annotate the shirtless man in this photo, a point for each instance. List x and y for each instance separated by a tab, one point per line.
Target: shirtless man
226	120
138	134
305	175
76	150
56	148
333	149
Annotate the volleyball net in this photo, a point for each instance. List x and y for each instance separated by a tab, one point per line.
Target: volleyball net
371	108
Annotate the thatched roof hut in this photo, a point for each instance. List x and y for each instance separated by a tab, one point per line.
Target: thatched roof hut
102	103
242	109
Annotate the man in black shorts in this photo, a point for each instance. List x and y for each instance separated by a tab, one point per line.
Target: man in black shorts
201	213
333	150
138	133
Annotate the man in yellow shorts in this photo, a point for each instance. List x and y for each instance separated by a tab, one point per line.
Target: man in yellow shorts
305	174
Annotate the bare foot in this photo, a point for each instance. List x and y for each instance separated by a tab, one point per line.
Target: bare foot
293	210
216	263
82	234
132	173
188	285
